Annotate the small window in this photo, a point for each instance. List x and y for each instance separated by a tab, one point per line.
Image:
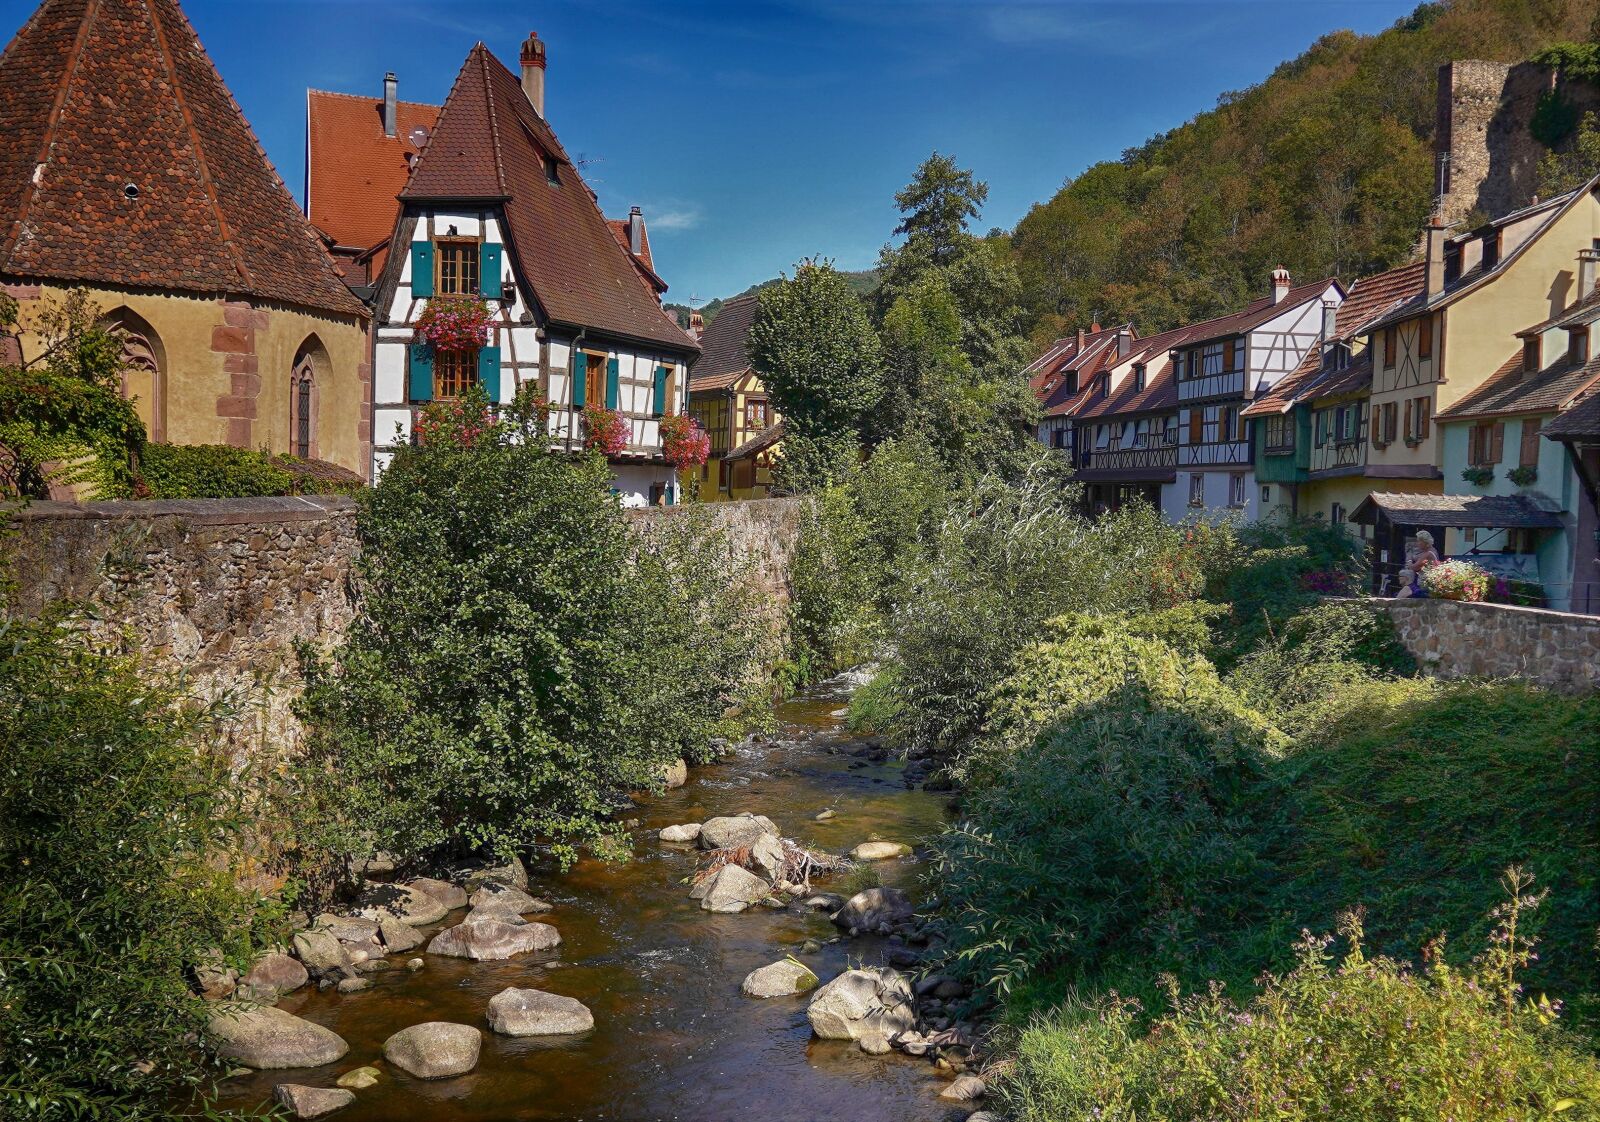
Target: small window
594	379
1236	490
1452	262
755	413
1072	381
456	268
1138	377
1578	345
1197	490
1531	354
1491	249
454	373
1266	494
1105	385
552	175
1336	514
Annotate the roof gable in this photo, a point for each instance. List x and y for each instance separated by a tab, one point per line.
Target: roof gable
490	146
127	162
724	353
354	173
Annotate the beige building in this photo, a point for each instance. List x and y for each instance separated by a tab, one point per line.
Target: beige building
732	405
237	327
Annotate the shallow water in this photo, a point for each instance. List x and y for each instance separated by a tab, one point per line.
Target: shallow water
673	1038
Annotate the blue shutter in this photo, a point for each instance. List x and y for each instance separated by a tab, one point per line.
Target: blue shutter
420	356
489	372
489	271
580	375
612	389
421	268
660	400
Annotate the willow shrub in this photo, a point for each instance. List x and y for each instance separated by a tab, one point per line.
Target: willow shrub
1353	1040
116	823
523	658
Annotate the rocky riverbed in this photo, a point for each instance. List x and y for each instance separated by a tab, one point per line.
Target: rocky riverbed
627	996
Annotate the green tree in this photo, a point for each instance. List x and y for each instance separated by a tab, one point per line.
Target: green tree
936	206
1563	171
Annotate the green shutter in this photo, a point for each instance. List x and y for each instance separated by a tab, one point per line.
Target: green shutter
659	402
612	389
489	372
421	268
580	375
489	271
421	372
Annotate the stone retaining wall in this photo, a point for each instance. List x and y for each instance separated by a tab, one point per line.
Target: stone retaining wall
1450	639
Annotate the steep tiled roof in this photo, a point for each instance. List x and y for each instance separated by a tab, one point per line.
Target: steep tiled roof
1508	390
124	160
490	146
354	173
1254	314
619	230
1160	388
723	358
1580	423
1510	512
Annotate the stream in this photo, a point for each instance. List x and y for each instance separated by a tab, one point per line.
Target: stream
673	1038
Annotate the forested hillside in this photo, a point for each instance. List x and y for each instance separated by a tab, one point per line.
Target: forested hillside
1326	167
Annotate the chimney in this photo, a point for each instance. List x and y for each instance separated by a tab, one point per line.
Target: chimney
1330	319
1587	260
391	104
636	232
1436	236
1124	342
533	71
697	324
1081	336
1280	284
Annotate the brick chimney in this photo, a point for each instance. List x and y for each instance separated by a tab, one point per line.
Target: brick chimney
697	324
1587	261
391	104
1436	236
636	232
533	62
1124	342
1280	284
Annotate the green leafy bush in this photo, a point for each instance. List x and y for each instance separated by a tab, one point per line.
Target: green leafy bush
833	617
1360	1040
115	825
220	471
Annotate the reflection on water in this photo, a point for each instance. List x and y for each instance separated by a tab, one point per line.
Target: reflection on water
673	1037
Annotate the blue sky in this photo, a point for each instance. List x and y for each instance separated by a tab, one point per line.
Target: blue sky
755	134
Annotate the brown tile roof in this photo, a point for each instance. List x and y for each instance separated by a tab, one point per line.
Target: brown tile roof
99	96
1507	390
354	174
1510	512
1050	382
490	146
1160	389
1254	314
1580	423
1580	314
723	358
619	230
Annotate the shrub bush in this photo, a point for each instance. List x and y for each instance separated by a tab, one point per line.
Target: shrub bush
220	471
115	823
833	618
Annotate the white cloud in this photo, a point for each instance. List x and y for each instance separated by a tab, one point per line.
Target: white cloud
672	218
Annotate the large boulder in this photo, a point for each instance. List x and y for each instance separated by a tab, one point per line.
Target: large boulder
475	875
880	851
434	1049
347	929
508	897
780	979
730	889
263	1037
452	896
401	902
766	853
311	1102
873	908
687	832
869	1002
495	910
490	940
271	976
675	774
398	936
519	1012
322	954
736	831
964	1089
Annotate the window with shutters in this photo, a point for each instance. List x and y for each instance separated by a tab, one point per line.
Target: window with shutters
594	379
1197	426
454	373
1486	444
456	268
1528	454
1425	337
755	413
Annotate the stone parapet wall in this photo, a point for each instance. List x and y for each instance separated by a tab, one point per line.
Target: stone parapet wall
1450	639
761	531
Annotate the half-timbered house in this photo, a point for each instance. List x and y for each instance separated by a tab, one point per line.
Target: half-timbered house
1126	436
1062	378
732	405
495	210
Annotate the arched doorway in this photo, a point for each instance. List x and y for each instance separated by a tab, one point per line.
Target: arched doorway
310	367
144	369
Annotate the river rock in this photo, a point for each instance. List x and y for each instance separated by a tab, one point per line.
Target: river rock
983	1116
359	1079
966	1089
398	936
311	1102
452	896
826	815
401	902
872	908
527	1012
675	774
874	1044
490	940
322	954
262	1037
687	832
434	1049
508	897
357	930
825	902
271	976
880	851
780	979
731	889
215	979
354	985
767	854
871	1001
474	876
495	910
735	831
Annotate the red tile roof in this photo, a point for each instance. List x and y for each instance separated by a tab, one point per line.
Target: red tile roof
1508	390
1048	373
723	356
619	230
1254	313
490	146
354	173
1160	390
126	161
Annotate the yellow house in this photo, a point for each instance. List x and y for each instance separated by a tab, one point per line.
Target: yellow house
129	172
732	405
